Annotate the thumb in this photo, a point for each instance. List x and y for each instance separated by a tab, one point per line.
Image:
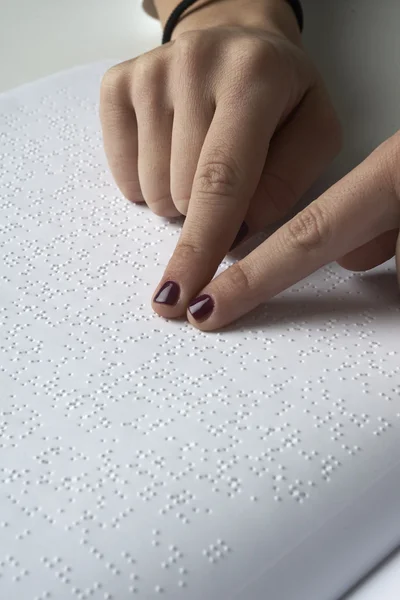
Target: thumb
372	254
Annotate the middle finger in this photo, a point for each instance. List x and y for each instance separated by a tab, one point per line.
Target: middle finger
228	172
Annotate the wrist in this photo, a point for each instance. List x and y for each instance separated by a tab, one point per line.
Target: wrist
275	16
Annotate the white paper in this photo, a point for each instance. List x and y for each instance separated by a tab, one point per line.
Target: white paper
142	458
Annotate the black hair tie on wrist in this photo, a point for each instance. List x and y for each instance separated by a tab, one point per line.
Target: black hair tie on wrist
185	4
174	18
298	12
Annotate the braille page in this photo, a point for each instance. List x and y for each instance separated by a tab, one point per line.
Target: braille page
142	458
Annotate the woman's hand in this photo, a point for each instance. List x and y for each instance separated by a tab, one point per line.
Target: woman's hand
228	125
356	222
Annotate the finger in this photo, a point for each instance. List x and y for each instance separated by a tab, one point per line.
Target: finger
155	134
228	171
356	210
299	153
154	113
372	254
118	121
193	116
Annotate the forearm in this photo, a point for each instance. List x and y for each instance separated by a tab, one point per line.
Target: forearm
275	15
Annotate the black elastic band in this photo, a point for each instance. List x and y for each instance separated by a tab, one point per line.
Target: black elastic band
174	18
185	4
298	12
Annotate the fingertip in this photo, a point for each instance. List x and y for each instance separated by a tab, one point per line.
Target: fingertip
167	300
167	210
206	325
168	312
132	192
201	307
201	313
168	293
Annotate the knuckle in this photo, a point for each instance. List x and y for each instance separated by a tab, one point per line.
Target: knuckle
310	230
256	58
189	57
187	45
147	77
253	51
258	70
239	279
217	177
112	76
187	250
111	83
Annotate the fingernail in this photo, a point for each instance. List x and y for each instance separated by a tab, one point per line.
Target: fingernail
200	308
241	234
168	294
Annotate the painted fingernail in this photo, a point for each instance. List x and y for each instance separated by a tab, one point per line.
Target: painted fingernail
241	234
201	308
168	294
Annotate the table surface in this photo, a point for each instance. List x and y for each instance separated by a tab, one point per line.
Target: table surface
354	43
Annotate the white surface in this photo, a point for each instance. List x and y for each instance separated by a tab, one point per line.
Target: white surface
140	455
356	50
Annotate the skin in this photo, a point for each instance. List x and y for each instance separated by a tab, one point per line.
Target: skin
231	122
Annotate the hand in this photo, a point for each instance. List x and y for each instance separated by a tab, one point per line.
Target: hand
356	222
229	126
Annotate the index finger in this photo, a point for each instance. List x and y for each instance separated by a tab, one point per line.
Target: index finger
356	210
228	172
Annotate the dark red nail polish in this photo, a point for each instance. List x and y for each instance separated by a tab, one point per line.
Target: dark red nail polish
200	308
168	294
241	234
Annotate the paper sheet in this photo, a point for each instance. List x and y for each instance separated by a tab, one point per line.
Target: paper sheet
142	458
